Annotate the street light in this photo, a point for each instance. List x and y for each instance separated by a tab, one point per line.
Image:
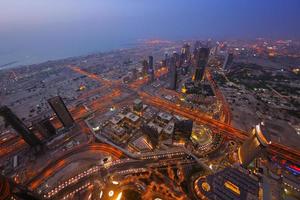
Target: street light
111	193
119	196
115	182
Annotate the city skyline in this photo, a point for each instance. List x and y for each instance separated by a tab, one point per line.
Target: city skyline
149	100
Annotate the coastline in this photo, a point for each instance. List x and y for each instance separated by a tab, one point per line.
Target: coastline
22	63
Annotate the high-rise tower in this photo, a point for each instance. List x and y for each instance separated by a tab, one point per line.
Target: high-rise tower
231	183
145	67
254	146
11	190
185	53
183	129
45	127
173	74
151	69
61	111
19	126
228	60
200	62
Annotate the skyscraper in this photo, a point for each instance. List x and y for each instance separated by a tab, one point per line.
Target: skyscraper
152	134
177	59
185	52
151	69
228	60
61	111
173	74
45	127
166	58
184	68
200	62
11	190
254	146
150	61
138	105
19	126
145	67
197	45
163	63
232	183
183	128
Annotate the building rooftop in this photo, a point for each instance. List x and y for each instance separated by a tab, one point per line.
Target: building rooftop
142	143
229	184
118	130
117	118
153	125
132	117
137	101
169	128
165	116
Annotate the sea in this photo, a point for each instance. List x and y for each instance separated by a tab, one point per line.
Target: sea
28	56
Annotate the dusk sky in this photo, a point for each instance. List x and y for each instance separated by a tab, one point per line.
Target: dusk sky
81	26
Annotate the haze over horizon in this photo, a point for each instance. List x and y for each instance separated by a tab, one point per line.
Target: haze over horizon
150	99
33	31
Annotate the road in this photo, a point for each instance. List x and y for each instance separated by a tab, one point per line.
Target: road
226	113
121	167
16	144
117	89
79	112
227	130
62	160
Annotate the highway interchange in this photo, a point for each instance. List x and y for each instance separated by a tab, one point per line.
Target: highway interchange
114	98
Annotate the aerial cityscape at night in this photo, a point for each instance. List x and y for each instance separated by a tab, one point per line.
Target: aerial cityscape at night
190	115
